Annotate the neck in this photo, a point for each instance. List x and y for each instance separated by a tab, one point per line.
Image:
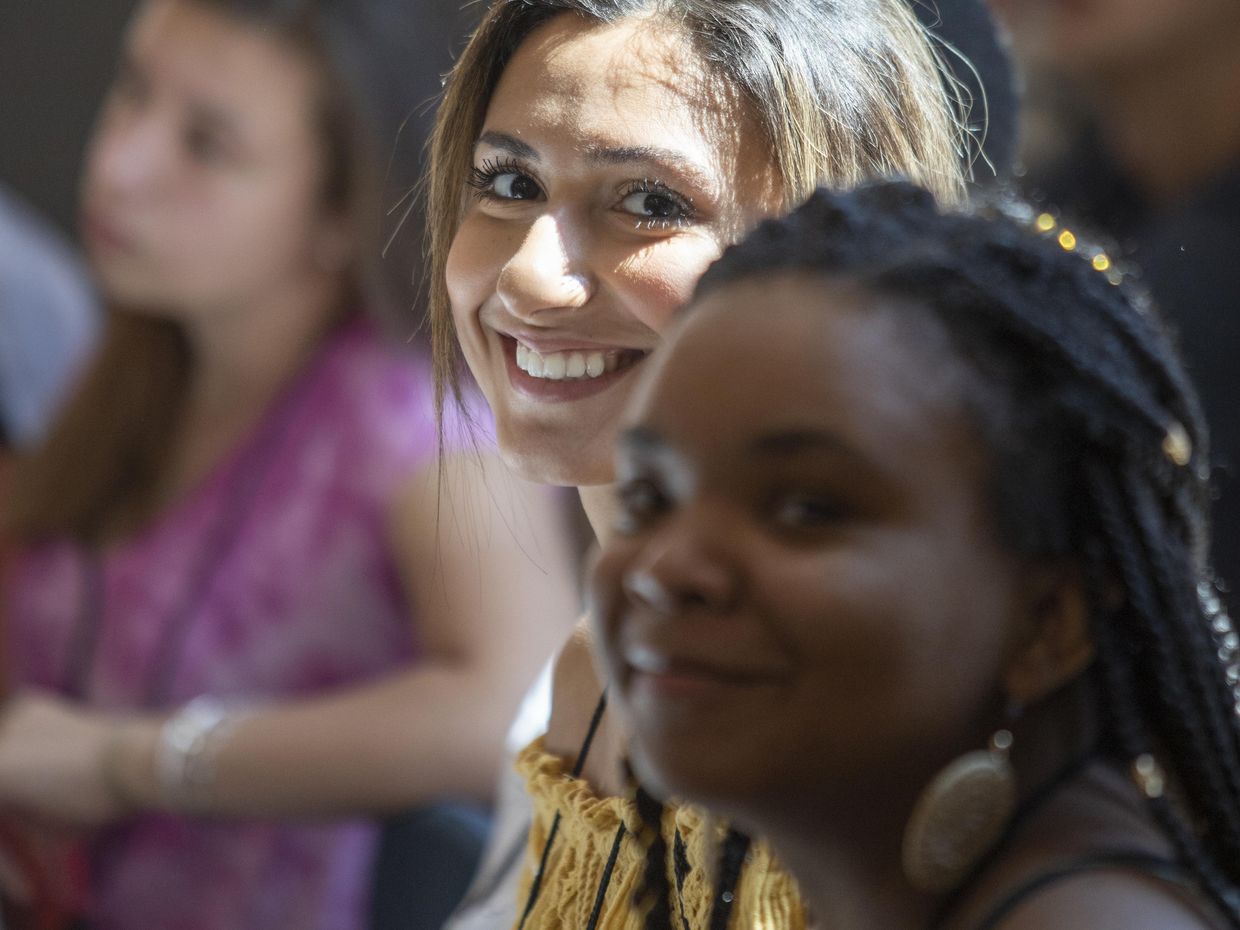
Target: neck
852	872
1171	123
852	881
599	503
243	356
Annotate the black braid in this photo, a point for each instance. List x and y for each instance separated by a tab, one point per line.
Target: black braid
1078	385
1129	728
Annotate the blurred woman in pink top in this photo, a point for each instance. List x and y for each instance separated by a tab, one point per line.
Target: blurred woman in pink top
251	600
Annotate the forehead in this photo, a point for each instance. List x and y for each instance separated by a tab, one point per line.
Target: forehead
632	61
204	58
796	349
577	84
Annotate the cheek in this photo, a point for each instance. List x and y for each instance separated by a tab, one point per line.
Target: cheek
246	228
606	600
909	655
228	241
479	251
657	281
474	262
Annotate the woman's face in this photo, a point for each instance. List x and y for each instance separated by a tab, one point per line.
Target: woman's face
610	171
201	189
804	596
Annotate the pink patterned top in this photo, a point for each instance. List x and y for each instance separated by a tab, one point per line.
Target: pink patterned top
272	579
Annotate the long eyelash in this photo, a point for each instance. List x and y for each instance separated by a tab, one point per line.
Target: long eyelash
651	186
482	177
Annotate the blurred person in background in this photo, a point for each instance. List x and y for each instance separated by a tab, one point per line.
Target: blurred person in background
253	597
1135	129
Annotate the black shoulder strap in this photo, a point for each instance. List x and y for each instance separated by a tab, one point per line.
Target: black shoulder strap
536	885
1159	866
599	709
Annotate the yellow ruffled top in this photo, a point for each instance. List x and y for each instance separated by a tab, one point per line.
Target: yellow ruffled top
766	897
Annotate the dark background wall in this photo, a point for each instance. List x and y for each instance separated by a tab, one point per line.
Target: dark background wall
56	57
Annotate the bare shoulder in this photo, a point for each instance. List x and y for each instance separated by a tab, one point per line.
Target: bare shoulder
575	692
576	689
484	561
1112	899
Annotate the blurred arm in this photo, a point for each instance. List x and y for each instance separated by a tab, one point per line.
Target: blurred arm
487	571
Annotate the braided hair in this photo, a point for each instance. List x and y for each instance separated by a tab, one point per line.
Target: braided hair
1099	457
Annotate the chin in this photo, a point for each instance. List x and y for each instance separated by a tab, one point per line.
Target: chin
687	775
133	291
544	460
657	777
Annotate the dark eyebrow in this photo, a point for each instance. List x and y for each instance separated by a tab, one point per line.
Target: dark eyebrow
214	119
694	171
609	155
510	144
783	443
796	441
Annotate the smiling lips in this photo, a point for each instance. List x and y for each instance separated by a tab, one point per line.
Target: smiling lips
580	365
645	660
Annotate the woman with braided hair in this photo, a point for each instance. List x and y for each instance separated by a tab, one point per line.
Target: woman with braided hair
910	576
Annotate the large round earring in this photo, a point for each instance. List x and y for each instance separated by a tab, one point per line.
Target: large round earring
960	814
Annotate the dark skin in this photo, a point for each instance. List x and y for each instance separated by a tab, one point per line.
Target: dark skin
807	611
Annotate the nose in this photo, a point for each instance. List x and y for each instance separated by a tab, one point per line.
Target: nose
683	568
547	271
128	155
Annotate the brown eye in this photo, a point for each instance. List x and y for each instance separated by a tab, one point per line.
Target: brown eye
656	205
513	186
504	181
203	145
802	511
640	501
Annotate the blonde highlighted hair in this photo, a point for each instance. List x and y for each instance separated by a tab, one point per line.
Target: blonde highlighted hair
843	91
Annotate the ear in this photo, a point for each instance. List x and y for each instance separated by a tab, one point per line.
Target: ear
1058	647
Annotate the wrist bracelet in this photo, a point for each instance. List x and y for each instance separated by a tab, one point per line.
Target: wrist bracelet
122	793
189	742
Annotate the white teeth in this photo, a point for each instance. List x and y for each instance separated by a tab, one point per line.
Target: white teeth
644	659
556	366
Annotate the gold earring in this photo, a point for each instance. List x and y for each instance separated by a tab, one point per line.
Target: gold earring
960	814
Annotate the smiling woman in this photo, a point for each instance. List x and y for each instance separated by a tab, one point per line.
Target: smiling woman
581	243
590	159
608	164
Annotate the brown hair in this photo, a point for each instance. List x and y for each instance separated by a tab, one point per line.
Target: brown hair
105	458
842	90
